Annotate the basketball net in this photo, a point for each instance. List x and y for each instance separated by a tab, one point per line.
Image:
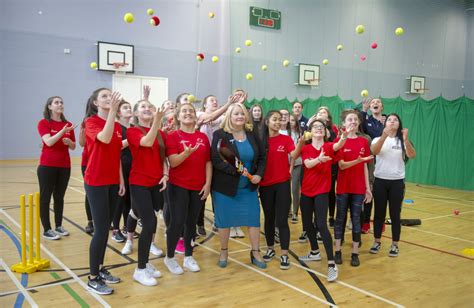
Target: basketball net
120	68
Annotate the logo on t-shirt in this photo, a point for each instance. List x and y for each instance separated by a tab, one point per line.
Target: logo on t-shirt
281	148
362	151
119	134
346	150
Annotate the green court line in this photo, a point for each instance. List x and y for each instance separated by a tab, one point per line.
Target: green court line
71	292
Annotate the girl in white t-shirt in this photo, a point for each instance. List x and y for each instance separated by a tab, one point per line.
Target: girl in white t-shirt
392	150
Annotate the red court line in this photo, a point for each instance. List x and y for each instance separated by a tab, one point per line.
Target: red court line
434	249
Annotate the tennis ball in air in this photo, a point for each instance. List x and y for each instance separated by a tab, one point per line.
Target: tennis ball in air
264	67
364	93
128	18
248	43
211	15
93	65
339	47
237	50
215	59
325	61
249	76
286	63
399	31
150	11
191	98
360	29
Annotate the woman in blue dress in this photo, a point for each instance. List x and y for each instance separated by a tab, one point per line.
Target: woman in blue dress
234	189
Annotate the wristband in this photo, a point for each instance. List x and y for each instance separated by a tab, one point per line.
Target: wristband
166	175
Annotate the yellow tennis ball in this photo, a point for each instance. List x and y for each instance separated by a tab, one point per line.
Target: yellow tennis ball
191	98
215	59
211	15
325	61
128	18
237	50
93	65
286	63
264	67
248	43
150	11
364	93
339	47
307	135
399	31
360	29
249	76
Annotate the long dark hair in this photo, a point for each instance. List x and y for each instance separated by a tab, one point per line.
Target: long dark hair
297	126
47	112
204	102
91	108
399	133
266	133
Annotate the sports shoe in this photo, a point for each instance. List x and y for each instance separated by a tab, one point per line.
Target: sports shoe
107	276
233	232
144	277
97	285
338	257
331	222
284	262
355	259
152	271
128	248
201	231
240	233
365	228
89	228
375	248
61	231
50	235
332	272
303	237
311	257
393	251
117	236
173	266
156	250
190	264
318	237
180	247
294	219
268	256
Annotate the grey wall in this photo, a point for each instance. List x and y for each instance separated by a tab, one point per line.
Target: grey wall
469	83
434	45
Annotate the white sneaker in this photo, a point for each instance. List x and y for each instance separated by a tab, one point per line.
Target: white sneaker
311	257
191	264
155	250
144	277
332	273
233	232
173	266
240	233
128	248
152	271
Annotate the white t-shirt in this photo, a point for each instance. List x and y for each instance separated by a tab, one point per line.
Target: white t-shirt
389	163
210	127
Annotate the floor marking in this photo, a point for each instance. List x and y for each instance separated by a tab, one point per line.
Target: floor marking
430	197
450	215
439	234
39	287
66	269
18	284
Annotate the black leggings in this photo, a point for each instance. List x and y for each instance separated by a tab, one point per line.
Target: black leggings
123	202
393	192
276	202
102	200
317	205
184	210
52	181
86	203
146	200
332	192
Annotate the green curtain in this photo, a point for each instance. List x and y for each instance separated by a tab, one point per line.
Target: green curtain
441	130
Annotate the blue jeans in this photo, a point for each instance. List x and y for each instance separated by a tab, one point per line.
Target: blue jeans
354	202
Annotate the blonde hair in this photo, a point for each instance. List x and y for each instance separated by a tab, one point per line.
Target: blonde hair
178	111
227	126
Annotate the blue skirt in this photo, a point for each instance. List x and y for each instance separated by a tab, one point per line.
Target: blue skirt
241	210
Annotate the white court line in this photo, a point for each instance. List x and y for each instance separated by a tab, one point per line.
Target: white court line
66	269
39	287
18	284
77	179
450	215
430	197
439	234
78	190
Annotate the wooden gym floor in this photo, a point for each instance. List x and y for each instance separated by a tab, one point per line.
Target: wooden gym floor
434	269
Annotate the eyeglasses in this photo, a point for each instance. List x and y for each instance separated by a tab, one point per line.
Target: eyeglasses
318	126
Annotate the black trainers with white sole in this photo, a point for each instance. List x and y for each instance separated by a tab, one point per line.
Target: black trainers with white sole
375	248
393	251
268	256
284	262
51	235
107	276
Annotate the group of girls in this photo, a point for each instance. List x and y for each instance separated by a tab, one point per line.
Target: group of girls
173	164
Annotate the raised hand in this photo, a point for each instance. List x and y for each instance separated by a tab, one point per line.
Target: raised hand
350	129
405	134
241	98
189	150
115	101
366	104
146	92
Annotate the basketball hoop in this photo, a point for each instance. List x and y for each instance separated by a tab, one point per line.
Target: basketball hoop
120	67
310	83
421	91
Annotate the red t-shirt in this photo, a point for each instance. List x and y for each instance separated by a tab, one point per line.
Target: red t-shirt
147	168
278	166
352	180
56	155
335	129
103	166
191	173
317	180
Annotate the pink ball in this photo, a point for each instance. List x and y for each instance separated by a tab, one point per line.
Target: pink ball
362	58
456	212
374	45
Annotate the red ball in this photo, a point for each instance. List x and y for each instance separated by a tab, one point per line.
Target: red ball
374	45
456	212
200	56
156	20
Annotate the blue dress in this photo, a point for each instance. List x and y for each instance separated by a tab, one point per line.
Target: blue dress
243	209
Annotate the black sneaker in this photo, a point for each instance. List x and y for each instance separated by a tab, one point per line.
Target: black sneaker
375	248
107	276
89	228
338	257
318	237
284	262
355	259
117	236
268	256
331	222
201	231
294	219
303	237
97	285
393	251
51	235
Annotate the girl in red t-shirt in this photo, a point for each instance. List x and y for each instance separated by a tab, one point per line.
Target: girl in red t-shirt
275	191
317	161
352	183
189	184
148	179
54	168
103	181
